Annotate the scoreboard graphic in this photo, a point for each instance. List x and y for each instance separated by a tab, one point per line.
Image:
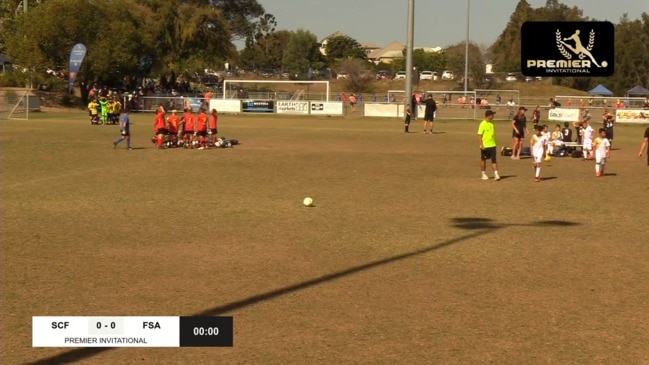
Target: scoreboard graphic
150	331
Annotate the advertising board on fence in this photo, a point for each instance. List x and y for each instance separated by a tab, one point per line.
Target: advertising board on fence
326	108
292	107
637	116
226	105
257	106
383	110
563	115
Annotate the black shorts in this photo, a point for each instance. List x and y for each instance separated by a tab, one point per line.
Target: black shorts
488	153
188	132
214	130
520	135
161	131
201	133
609	133
429	117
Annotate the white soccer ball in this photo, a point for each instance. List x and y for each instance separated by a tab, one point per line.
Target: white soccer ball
308	202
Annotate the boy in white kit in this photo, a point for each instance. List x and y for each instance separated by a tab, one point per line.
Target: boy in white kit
602	147
587	140
538	146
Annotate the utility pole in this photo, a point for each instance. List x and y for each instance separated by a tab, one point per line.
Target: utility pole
466	49
409	47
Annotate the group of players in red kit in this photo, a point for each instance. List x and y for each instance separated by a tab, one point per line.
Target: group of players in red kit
189	130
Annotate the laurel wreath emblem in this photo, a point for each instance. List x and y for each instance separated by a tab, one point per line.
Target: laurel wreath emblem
591	40
563	51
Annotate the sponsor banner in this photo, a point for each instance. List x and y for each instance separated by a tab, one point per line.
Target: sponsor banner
567	49
257	106
326	108
383	110
563	115
637	116
292	107
226	105
76	57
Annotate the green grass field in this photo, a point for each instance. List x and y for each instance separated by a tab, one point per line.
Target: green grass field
407	257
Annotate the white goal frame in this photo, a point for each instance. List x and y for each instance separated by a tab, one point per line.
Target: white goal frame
294	82
23	101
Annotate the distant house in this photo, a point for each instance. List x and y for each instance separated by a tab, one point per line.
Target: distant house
370	47
325	40
387	54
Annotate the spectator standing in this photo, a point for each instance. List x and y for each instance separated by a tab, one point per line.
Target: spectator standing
519	125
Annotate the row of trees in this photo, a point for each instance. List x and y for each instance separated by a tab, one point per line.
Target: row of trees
128	40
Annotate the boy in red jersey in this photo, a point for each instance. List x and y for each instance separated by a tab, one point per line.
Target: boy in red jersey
160	127
201	128
173	124
214	128
188	135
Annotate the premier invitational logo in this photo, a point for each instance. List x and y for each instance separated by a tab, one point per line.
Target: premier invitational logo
567	49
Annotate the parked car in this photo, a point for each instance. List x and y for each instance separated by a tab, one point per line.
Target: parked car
401	75
383	75
268	73
342	75
428	75
365	74
511	77
325	73
448	75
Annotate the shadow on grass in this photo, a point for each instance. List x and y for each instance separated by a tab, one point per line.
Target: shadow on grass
480	226
548	178
504	177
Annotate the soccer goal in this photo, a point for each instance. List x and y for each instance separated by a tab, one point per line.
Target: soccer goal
454	104
20	109
280	89
497	100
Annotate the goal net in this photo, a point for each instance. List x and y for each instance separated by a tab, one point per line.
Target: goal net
20	106
450	104
599	102
276	90
497	100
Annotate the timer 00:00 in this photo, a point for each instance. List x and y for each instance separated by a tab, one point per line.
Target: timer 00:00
209	331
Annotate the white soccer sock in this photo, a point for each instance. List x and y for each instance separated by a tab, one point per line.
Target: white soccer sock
597	168
537	172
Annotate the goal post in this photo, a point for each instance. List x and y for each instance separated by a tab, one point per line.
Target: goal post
20	109
305	89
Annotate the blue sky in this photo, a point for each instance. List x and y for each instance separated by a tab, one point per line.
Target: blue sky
437	22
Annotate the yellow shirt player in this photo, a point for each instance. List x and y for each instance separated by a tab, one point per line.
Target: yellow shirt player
92	110
117	105
487	139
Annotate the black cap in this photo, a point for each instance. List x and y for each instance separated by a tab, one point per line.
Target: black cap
489	112
522	108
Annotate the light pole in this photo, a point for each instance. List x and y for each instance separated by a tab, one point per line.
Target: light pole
409	47
466	49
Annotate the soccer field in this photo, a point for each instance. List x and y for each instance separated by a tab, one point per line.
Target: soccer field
407	257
